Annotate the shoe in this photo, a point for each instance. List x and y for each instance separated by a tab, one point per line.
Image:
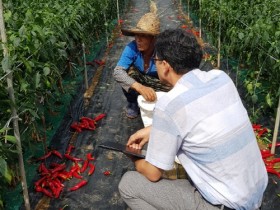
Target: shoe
132	110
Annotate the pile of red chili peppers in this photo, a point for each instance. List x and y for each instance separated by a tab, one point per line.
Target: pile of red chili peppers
53	177
271	162
86	123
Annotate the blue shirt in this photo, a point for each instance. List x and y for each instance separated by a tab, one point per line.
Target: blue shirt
132	56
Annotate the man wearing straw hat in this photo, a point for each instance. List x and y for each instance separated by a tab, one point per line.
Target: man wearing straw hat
136	70
203	122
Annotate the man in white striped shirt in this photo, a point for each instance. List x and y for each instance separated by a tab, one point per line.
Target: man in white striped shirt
203	122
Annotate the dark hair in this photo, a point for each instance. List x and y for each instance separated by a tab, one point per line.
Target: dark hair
180	49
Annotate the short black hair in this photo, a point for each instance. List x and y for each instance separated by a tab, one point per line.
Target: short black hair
180	49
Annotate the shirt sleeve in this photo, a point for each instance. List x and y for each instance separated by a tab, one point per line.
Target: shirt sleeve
164	141
121	76
125	61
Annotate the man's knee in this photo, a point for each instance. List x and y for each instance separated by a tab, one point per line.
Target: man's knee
126	183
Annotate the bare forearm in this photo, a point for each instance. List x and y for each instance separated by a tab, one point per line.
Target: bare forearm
148	170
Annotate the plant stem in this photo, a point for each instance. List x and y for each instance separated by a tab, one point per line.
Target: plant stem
14	111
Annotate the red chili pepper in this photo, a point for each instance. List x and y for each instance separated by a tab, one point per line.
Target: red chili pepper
107	173
69	149
57	153
40	181
99	117
89	121
91	169
64	175
76	127
69	157
99	62
53	165
45	156
74	168
79	185
76	175
43	168
273	171
85	165
277	145
59	168
265	151
84	124
43	190
275	160
52	187
266	155
89	157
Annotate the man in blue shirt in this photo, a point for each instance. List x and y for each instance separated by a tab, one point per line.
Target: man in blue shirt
136	70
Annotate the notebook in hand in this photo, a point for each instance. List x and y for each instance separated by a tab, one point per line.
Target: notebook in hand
123	148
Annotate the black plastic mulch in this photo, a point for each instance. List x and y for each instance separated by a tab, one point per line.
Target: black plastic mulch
101	192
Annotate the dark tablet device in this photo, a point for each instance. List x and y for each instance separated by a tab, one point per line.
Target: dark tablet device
123	148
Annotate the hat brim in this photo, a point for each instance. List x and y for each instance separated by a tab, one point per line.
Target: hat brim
134	31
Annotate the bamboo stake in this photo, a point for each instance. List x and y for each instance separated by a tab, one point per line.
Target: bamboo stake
219	39
118	12
85	66
188	10
200	4
14	111
276	128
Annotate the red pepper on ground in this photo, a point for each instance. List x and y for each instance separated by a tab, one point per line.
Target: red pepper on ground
57	153
85	165
79	185
99	117
76	127
89	121
89	157
69	149
60	167
107	173
277	145
76	175
43	168
45	156
40	181
43	190
273	171
91	169
69	157
99	62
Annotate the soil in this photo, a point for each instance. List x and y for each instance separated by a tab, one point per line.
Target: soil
101	192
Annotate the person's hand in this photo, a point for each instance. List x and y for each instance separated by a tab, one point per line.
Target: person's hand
140	138
147	92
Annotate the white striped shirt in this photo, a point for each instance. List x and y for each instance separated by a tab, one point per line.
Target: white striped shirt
203	121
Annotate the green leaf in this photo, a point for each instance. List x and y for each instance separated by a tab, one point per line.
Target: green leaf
268	100
11	139
37	80
46	71
254	98
240	35
5	171
6	64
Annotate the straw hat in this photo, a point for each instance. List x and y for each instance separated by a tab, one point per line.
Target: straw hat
148	24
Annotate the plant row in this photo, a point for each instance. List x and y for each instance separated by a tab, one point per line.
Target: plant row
45	42
250	35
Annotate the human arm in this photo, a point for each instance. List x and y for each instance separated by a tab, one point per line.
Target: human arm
147	92
121	76
140	138
137	141
150	171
